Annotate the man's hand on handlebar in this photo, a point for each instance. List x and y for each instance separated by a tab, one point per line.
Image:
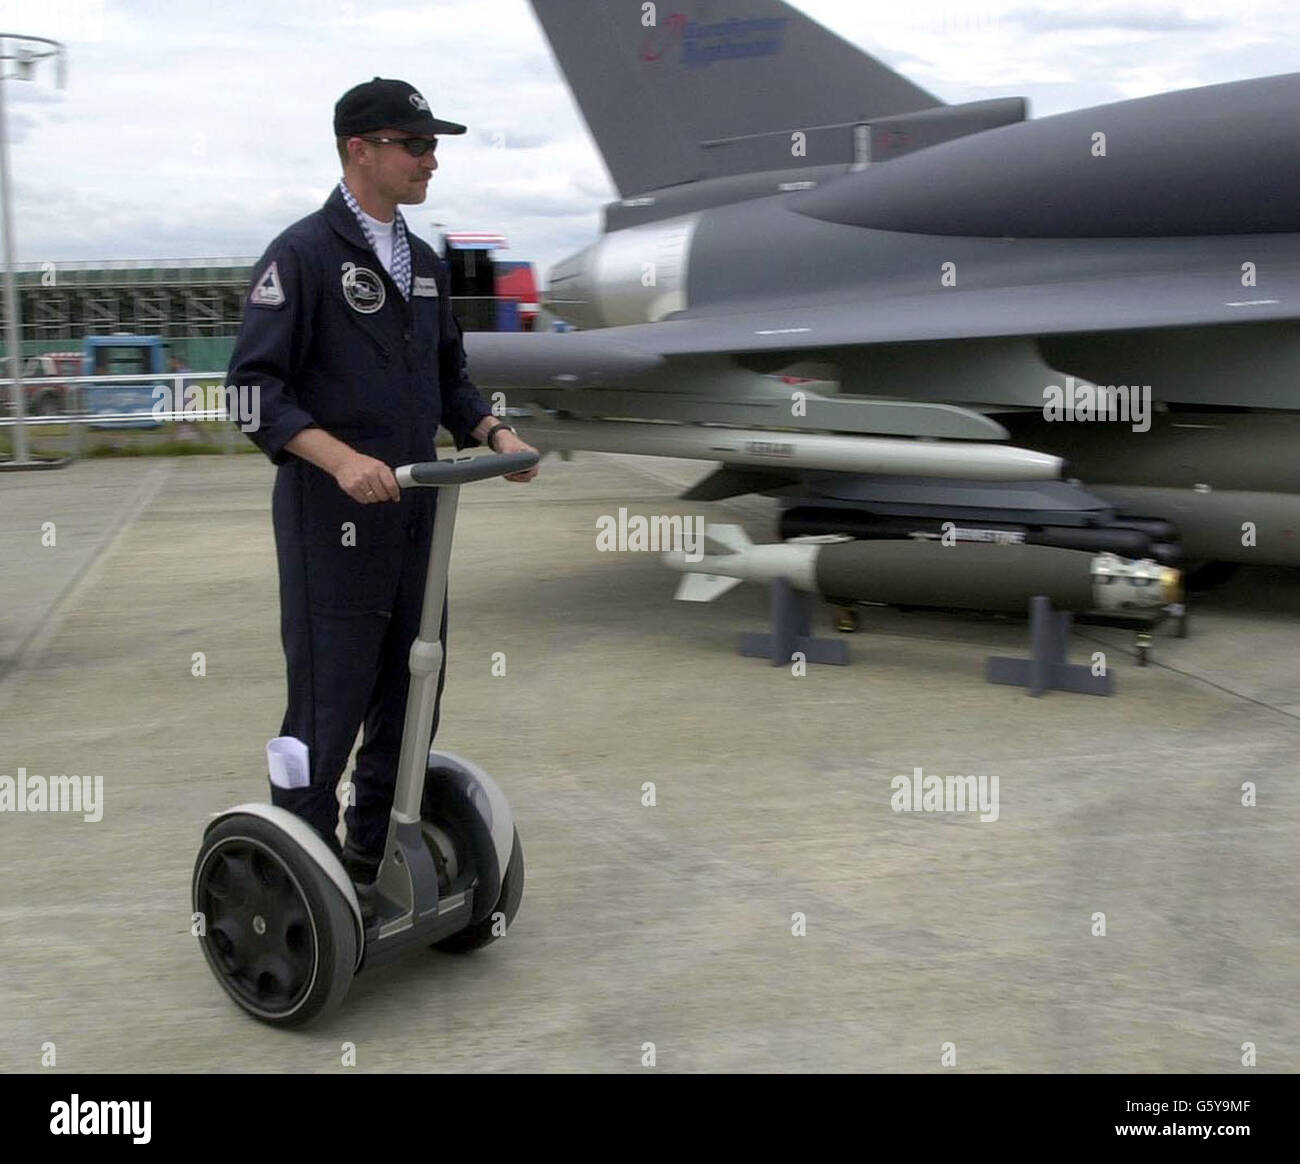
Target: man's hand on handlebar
508	442
367	480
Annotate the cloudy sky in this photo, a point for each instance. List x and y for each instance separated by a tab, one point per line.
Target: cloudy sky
196	128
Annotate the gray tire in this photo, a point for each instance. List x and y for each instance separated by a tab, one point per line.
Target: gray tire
475	937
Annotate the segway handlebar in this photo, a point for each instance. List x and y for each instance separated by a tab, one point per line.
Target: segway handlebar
462	470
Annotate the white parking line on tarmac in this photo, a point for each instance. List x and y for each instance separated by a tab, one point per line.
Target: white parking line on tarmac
32	647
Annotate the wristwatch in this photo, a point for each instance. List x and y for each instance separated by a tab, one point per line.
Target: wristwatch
496	428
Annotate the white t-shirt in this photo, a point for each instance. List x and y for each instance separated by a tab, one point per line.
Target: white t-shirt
383	236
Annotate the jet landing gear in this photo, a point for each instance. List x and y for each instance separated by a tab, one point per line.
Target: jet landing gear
846	620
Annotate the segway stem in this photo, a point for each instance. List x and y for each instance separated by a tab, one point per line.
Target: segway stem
426	651
402	847
425	663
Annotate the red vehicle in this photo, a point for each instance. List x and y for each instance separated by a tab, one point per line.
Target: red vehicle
47	399
517	284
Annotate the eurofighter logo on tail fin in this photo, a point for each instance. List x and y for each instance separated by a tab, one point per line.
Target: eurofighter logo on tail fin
700	43
688	90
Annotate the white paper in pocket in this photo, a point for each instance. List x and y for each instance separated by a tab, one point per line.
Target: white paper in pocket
286	757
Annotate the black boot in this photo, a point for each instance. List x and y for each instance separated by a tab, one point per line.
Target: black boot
363	868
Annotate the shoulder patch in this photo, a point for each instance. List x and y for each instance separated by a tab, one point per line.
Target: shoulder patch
268	292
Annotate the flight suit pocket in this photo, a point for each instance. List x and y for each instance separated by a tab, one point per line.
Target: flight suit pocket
347	580
353	551
362	338
361	331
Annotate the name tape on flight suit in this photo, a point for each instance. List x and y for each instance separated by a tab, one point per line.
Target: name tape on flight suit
424	285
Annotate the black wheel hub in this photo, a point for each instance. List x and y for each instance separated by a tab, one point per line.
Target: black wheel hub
260	936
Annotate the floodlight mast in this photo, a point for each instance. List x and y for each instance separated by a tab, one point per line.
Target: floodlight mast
26	52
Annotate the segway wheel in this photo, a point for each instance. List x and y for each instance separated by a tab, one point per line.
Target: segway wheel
279	935
475	937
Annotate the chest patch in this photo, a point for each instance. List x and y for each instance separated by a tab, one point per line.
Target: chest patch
424	285
363	289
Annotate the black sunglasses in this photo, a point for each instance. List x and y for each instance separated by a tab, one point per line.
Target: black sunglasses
417	147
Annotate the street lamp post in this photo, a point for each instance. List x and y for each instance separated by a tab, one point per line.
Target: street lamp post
25	51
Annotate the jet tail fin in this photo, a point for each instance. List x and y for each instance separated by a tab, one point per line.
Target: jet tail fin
692	89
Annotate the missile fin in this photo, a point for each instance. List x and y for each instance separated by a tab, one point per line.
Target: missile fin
732	537
703	587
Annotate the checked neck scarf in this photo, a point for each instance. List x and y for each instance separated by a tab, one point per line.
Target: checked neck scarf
401	271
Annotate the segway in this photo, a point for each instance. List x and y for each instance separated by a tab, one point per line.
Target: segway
281	922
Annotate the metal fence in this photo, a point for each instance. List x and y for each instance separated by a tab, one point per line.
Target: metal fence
209	400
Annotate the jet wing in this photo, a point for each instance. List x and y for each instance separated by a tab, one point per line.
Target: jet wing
1196	299
986	347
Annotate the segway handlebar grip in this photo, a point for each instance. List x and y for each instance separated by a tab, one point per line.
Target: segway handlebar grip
462	470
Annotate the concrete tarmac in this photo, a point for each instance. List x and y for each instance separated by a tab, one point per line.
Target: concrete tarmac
770	912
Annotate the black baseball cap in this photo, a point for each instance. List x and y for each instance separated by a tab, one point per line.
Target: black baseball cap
381	104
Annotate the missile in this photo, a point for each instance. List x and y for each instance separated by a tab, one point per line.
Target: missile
959	460
968	575
1125	537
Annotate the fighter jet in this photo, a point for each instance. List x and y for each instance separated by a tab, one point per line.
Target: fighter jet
905	318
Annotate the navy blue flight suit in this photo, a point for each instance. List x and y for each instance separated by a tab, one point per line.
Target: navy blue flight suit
329	341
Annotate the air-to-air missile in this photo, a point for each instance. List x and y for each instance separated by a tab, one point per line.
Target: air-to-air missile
966	460
973	576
